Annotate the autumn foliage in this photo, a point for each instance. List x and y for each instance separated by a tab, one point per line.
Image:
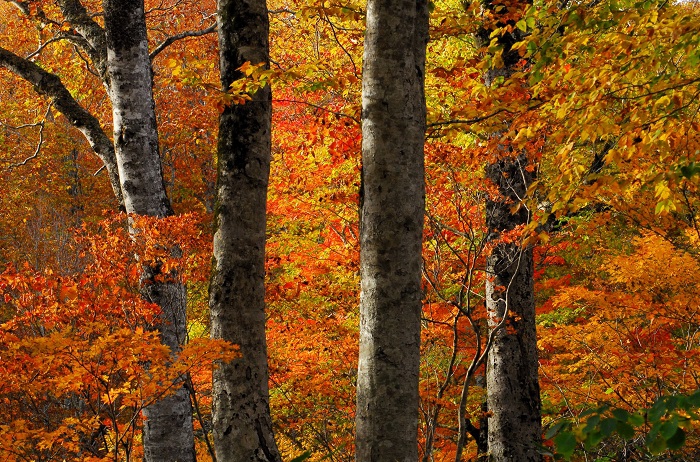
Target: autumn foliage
80	352
604	103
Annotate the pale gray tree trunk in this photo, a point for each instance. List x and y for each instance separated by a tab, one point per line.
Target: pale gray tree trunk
168	434
392	209
512	386
241	411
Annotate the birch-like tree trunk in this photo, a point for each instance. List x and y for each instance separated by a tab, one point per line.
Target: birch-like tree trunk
512	386
392	209
168	433
241	411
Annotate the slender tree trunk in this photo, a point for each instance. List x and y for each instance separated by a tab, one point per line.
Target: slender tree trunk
241	410
513	393
168	433
392	209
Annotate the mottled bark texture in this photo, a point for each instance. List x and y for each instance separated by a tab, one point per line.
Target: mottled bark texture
513	393
392	209
241	411
168	434
133	109
46	83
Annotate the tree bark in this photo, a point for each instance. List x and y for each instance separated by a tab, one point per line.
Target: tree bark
241	411
168	433
513	393
392	209
512	386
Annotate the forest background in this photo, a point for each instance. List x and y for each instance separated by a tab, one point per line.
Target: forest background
604	103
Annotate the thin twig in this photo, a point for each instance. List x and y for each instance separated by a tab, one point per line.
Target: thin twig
337	40
99	170
173	38
339	114
43	45
39	144
467	121
195	404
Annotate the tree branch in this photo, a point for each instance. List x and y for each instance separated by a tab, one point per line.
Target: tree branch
174	38
321	108
57	38
22	6
39	144
75	13
46	83
466	121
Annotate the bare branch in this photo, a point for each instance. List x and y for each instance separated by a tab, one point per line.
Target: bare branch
45	44
281	10
466	121
316	106
39	144
174	38
19	127
337	40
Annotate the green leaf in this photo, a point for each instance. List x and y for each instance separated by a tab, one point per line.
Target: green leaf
688	171
625	430
659	408
553	430
608	426
536	77
591	423
621	415
669	428
636	419
531	47
565	443
694	59
677	440
522	25
593	439
694	399
657	445
670	403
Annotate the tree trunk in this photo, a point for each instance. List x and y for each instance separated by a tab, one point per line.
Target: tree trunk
513	393
512	386
168	433
241	410
392	209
